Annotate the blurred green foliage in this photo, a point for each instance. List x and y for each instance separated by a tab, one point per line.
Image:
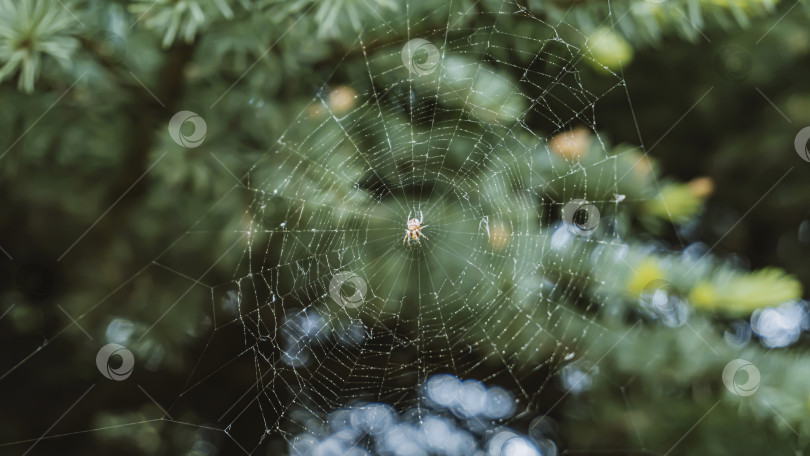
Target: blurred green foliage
110	223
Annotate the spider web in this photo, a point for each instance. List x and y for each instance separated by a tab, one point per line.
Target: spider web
335	306
331	304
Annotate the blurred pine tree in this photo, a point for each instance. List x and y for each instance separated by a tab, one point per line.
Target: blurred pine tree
115	233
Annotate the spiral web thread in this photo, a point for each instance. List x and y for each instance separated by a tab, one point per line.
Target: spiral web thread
496	277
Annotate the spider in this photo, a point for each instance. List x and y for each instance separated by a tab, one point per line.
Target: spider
414	231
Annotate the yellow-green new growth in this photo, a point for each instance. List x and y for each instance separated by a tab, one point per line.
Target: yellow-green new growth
733	293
